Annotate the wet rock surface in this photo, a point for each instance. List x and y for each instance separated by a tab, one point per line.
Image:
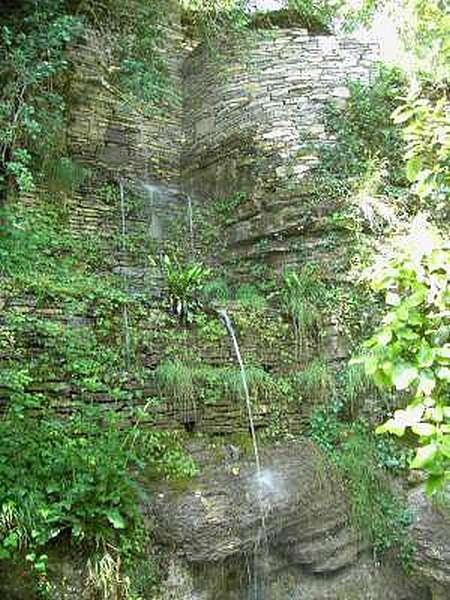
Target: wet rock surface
431	532
296	516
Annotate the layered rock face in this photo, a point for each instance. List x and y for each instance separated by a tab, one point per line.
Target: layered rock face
431	532
288	532
254	115
253	121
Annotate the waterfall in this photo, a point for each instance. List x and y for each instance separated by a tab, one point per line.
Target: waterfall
155	194
126	327
190	215
228	324
267	486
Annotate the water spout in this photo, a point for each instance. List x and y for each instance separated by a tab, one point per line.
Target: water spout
228	324
190	215
126	326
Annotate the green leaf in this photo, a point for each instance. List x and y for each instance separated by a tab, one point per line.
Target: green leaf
403	376
413	167
11	541
116	519
416	299
424	456
444	352
434	484
445	446
392	299
402	114
424	429
384	337
371	365
409	416
391	426
427	383
436	414
444	373
426	355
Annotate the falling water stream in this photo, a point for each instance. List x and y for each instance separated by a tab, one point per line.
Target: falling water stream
126	326
228	324
266	484
190	215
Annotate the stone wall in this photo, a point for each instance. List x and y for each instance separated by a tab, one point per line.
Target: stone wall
253	121
249	120
245	121
137	145
256	112
106	132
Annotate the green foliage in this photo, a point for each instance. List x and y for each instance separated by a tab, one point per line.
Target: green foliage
301	295
19	168
315	15
141	72
216	291
63	174
226	208
424	26
187	383
356	386
366	139
32	60
213	21
411	352
426	130
317	381
375	510
258	380
184	286
429	39
176	379
364	465
75	476
250	295
76	479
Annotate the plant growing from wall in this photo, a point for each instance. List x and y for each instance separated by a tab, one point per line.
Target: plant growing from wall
316	382
75	479
184	286
366	139
216	290
76	476
316	15
357	386
259	383
213	21
364	463
300	297
176	379
251	296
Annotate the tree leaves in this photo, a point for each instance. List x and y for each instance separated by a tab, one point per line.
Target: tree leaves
410	352
424	456
115	518
403	376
